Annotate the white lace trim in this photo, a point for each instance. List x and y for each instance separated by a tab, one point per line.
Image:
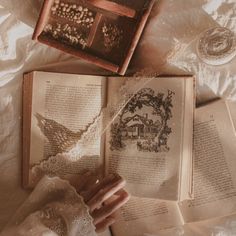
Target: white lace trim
55	206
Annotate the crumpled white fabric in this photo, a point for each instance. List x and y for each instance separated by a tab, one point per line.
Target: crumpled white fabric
220	79
222	11
54	208
169	44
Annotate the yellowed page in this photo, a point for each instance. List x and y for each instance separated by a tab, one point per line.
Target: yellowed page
214	165
140	216
63	107
232	110
150	163
223	226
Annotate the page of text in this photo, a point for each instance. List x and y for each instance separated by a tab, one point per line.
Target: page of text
144	141
140	216
214	160
66	108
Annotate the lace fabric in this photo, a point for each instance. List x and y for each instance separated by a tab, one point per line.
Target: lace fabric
208	51
53	208
86	145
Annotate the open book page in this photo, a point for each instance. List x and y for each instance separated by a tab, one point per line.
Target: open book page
140	216
223	226
214	162
144	144
66	113
232	110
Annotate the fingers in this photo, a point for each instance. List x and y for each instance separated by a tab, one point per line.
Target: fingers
105	193
92	180
83	181
96	187
103	198
101	227
99	215
100	185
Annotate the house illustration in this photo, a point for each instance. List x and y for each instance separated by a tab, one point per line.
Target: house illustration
138	126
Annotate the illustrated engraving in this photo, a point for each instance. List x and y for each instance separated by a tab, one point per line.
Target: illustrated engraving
143	122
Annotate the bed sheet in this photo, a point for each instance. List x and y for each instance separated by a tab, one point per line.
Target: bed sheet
172	25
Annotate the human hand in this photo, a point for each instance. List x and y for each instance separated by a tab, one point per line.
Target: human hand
104	198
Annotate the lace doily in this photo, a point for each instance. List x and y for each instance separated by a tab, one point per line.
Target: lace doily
217	46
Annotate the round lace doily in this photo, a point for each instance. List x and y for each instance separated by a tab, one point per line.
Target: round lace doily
217	46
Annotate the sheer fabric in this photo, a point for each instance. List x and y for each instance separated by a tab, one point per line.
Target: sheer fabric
54	209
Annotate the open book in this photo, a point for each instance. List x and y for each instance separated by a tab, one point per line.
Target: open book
214	179
139	127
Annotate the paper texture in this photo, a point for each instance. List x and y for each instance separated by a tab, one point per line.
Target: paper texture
140	216
222	226
151	165
63	108
72	101
214	175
